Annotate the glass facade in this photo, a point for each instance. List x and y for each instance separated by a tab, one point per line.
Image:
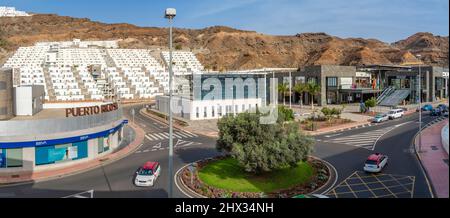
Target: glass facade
100	145
61	153
234	93
11	158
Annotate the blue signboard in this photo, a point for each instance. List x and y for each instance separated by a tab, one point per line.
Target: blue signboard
59	141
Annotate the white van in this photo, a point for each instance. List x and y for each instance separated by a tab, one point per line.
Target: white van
395	113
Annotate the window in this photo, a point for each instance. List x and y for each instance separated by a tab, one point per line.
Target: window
243	107
197	112
11	157
331	81
100	145
205	111
78	150
220	110
2	158
236	108
212	111
312	80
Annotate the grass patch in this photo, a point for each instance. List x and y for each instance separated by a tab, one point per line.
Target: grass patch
227	174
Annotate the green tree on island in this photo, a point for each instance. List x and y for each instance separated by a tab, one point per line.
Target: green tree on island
260	147
282	89
313	89
300	88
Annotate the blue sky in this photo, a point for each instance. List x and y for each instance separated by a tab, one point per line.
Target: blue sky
387	20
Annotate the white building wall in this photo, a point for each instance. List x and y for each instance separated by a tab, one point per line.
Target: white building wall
23	101
234	106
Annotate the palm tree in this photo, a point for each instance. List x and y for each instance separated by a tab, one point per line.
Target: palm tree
283	88
313	89
300	88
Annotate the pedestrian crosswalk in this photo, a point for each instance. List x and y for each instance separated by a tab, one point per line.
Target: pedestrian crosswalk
365	140
165	135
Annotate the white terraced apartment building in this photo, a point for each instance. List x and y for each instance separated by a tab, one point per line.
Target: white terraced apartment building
11	12
184	62
96	70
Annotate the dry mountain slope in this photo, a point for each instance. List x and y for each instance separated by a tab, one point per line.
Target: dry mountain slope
224	48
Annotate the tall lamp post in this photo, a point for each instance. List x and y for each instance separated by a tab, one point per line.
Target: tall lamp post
290	89
420	103
170	14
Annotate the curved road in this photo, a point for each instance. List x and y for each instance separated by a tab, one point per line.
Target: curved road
116	179
348	150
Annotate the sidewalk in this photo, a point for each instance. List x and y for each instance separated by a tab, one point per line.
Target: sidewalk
77	168
433	157
207	128
358	124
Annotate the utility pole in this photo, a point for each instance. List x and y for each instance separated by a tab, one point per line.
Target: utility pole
420	104
170	14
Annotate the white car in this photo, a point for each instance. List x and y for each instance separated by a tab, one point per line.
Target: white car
396	113
375	163
147	174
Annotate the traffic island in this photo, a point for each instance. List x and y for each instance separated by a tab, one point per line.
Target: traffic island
223	177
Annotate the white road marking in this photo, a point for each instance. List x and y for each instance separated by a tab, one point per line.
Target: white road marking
86	194
157	145
365	140
190	133
328	136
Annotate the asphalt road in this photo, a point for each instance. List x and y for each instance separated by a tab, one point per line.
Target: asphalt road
116	179
346	151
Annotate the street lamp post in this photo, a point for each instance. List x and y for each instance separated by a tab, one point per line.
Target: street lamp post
290	90
420	104
170	14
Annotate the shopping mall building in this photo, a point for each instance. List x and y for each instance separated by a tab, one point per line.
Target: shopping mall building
35	136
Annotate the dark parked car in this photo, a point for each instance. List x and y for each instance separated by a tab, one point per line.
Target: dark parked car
427	107
436	112
443	107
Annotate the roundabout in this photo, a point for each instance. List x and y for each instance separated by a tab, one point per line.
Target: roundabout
223	177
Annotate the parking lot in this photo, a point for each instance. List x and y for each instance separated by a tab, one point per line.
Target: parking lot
364	185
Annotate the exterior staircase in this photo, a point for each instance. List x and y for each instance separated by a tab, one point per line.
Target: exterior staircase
395	98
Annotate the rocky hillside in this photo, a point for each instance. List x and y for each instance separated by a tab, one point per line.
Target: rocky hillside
223	48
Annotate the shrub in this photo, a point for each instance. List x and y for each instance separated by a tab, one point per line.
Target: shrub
371	103
262	147
285	114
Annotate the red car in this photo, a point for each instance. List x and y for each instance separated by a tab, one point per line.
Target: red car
375	163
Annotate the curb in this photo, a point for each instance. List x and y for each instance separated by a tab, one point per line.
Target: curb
176	126
100	163
184	188
331	169
333	173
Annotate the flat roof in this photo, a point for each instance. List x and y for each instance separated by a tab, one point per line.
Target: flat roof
44	114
